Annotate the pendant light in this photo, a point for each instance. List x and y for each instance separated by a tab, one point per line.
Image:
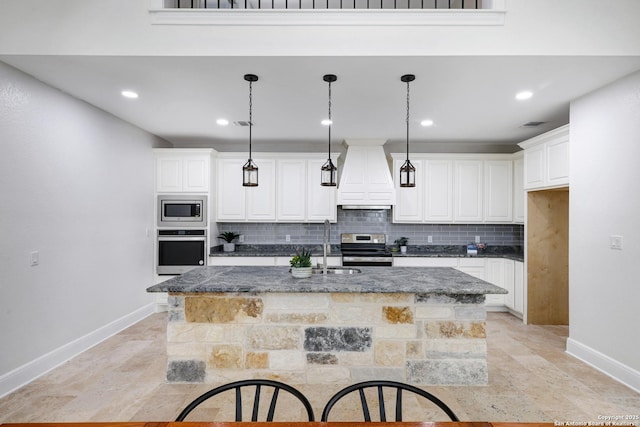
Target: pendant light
328	172
407	170
250	170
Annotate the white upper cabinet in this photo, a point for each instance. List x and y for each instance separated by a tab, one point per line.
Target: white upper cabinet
291	190
456	188
468	190
183	170
409	200
498	190
231	204
321	201
546	160
261	200
288	189
438	191
518	189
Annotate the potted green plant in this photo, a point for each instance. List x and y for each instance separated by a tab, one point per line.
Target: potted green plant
228	237
402	243
301	264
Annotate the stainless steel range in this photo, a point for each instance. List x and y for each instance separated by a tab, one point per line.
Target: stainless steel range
365	250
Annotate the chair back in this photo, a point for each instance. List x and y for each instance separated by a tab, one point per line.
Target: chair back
276	386
380	385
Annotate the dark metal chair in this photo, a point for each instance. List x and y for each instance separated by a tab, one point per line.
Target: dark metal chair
399	387
258	384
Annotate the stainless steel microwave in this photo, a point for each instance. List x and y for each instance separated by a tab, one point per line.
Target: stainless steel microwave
182	211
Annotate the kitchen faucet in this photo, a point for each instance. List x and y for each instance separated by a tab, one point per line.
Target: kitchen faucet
325	246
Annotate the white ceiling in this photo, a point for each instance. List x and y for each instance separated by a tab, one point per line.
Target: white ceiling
470	99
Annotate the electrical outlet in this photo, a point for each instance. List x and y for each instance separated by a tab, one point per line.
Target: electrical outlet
477	239
429	239
35	258
241	238
287	238
615	242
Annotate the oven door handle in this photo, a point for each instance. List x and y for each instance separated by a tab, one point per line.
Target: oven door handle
181	238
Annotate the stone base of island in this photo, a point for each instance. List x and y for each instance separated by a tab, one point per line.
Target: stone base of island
424	326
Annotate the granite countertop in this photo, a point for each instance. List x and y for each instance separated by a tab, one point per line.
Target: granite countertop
428	251
422	280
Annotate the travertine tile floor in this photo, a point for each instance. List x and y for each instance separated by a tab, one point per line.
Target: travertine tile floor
531	378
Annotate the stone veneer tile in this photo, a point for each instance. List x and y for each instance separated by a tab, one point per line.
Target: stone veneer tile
455	348
274	337
180	332
385	298
465	312
297	302
225	356
192	371
287	360
305	318
355	358
448	299
355	314
396	331
415	350
256	360
328	375
342	297
337	339
397	314
455	329
389	353
434	312
207	309
322	359
367	373
186	349
447	372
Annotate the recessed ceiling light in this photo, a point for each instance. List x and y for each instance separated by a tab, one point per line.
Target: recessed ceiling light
222	122
521	96
326	122
426	122
129	94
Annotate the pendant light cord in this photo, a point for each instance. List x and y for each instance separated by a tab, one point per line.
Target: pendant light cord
250	114
330	123
407	120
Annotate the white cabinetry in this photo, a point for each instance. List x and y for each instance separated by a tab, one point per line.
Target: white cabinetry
496	276
288	190
456	188
261	261
498	190
518	189
183	170
438	190
518	284
321	201
546	160
467	190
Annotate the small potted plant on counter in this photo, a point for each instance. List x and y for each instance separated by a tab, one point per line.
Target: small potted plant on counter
301	264
402	242
228	237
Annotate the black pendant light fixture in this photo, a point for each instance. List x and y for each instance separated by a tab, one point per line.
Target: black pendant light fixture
329	172
250	170
407	170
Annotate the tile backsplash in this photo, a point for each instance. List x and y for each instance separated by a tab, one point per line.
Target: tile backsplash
377	221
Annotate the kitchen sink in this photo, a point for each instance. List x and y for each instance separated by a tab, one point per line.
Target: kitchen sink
336	270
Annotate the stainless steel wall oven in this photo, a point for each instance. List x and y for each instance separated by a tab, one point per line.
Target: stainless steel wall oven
181	250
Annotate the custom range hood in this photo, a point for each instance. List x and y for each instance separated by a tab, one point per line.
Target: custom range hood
365	181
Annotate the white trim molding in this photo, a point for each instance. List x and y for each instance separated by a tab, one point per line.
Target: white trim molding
23	375
329	17
605	364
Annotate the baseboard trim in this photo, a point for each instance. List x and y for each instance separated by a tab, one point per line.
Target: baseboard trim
28	372
605	364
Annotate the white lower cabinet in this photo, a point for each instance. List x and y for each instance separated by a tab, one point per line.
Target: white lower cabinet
269	261
518	292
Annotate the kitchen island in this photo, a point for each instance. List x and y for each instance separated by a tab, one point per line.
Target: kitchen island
424	326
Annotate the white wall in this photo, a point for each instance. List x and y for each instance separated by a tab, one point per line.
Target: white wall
123	27
76	184
604	288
